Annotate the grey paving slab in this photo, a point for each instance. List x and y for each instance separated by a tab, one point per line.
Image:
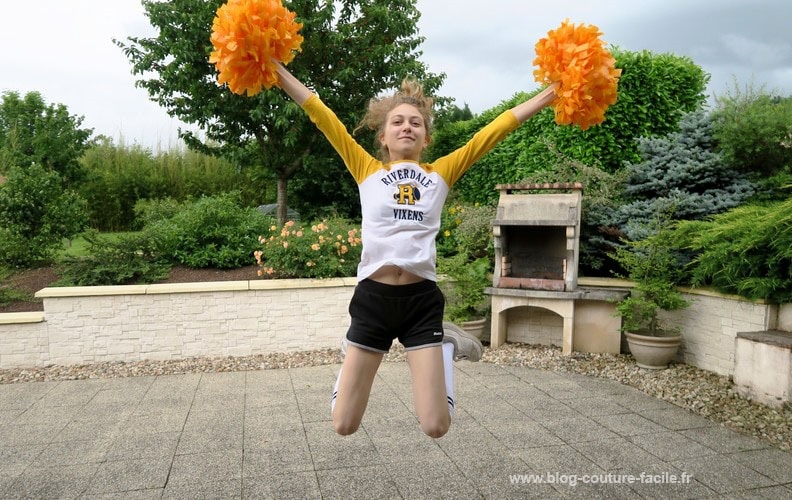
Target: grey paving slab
517	433
670	446
724	475
675	418
288	486
122	476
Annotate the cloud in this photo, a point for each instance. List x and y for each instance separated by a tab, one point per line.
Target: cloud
64	49
757	54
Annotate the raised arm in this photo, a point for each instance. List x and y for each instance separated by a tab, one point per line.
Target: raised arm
292	86
528	108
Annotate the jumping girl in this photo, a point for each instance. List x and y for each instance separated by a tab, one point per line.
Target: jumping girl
397	295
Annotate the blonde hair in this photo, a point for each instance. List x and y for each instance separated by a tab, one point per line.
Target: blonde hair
411	92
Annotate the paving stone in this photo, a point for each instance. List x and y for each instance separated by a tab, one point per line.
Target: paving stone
723	474
357	482
291	486
268	434
670	446
130	475
52	482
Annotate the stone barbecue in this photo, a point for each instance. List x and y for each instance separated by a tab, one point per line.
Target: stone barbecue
537	236
537	239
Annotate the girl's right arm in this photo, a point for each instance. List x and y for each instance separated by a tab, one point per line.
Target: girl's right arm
359	162
292	86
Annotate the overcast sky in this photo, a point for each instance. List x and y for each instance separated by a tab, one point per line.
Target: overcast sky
64	49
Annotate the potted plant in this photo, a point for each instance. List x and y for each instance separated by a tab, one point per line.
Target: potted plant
651	265
466	303
466	258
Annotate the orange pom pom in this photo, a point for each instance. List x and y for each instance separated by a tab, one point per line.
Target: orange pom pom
575	57
247	35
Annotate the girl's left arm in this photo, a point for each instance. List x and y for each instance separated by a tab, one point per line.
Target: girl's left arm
527	109
292	86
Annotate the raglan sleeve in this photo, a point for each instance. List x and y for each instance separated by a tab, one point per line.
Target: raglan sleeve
357	160
453	165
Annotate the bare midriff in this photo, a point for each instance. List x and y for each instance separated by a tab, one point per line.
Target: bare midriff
394	275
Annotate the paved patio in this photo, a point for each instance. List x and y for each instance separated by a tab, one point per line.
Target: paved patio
266	434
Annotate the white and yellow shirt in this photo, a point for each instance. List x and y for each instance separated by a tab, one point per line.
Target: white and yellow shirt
402	201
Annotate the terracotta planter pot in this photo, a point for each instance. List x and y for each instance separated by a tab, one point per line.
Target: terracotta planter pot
475	327
653	352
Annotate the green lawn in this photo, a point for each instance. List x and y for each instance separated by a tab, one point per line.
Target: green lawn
78	247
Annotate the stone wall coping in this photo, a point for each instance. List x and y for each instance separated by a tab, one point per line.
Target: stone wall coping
90	291
208	286
21	317
706	292
266	284
776	338
202	287
302	283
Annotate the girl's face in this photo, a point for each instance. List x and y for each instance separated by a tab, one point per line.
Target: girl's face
404	134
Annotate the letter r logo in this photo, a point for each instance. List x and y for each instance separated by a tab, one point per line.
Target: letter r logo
405	195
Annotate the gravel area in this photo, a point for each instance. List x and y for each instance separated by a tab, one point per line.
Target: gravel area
699	391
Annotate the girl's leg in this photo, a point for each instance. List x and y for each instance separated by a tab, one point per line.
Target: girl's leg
430	393
353	388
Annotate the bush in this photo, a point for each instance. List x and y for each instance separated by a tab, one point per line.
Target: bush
466	228
119	176
465	297
211	232
8	293
681	169
148	212
652	265
753	130
35	215
127	259
655	90
746	251
327	249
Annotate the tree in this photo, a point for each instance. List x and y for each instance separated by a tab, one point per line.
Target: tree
353	50
683	170
36	213
452	113
32	132
753	130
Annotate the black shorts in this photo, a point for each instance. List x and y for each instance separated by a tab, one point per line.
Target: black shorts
381	313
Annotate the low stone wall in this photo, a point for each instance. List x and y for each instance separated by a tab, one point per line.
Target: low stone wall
710	326
763	366
173	321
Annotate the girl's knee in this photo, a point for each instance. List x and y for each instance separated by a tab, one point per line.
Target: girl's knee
436	429
345	427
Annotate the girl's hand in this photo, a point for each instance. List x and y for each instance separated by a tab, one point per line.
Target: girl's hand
527	109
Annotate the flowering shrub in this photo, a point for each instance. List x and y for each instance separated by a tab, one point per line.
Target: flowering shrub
327	249
466	228
466	255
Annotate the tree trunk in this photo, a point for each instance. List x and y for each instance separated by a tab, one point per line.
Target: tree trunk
282	201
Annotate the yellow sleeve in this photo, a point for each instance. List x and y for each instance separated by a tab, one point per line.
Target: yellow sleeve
453	165
357	160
